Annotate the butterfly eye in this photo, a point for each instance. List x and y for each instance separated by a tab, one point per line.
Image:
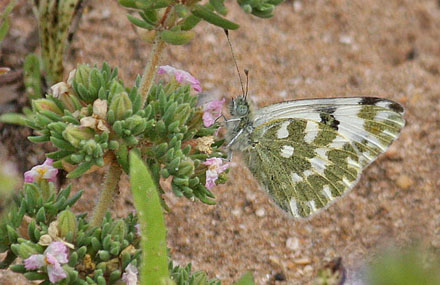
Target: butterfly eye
242	110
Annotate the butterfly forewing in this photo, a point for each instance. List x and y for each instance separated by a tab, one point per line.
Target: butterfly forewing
306	153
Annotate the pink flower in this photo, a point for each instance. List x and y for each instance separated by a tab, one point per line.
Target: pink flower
215	167
211	111
138	229
181	76
54	256
44	171
130	275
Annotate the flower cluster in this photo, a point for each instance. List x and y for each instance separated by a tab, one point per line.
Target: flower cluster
89	118
58	246
93	119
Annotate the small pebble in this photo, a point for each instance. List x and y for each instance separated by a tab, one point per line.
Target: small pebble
345	39
303	261
280	276
308	268
292	243
297	6
236	212
436	243
283	94
274	260
260	212
404	181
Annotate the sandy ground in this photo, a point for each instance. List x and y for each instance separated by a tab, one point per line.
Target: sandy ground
310	49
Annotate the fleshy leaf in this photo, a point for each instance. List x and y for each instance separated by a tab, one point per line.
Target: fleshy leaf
177	37
150	213
211	17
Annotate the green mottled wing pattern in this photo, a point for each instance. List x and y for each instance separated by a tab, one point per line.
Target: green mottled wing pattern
307	153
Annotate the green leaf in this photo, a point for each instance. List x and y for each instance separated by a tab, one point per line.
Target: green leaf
246	279
13	118
38	139
4	26
265	11
211	17
219	6
154	267
190	23
128	3
80	170
149	16
157	4
35	276
177	37
140	23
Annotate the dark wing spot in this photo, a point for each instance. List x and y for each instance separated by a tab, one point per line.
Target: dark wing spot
326	109
396	107
329	120
370	100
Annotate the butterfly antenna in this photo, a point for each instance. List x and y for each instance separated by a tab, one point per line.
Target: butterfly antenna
247	82
235	62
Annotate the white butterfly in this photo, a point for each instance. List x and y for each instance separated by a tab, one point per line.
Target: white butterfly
306	153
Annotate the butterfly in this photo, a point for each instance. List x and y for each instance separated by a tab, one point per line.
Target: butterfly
308	153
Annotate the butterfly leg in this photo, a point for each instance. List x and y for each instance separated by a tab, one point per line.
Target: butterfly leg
221	116
230	154
234	138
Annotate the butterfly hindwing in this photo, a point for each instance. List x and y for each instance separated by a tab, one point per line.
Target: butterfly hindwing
306	153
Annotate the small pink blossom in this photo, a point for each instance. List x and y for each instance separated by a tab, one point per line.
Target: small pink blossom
43	171
138	229
130	275
211	111
54	256
215	167
181	76
34	261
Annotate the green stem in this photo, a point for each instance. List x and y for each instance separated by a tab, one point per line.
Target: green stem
106	197
150	69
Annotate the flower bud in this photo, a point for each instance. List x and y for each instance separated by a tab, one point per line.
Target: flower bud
67	226
83	83
75	134
70	102
46	104
45	240
27	248
115	88
120	104
247	8
119	230
81	76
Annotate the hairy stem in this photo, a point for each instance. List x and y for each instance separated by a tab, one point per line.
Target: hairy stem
106	197
150	69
